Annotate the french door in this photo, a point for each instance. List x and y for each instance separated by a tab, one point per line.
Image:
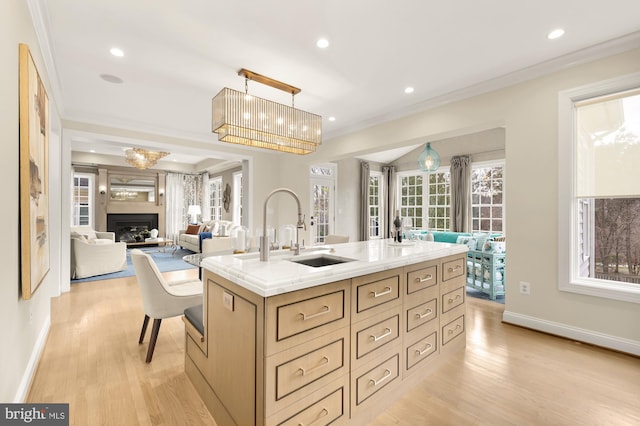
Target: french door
322	219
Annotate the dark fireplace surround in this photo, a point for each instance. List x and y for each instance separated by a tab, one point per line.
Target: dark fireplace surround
131	227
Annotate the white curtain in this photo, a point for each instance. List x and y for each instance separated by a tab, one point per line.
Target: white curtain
364	200
175	213
389	173
460	193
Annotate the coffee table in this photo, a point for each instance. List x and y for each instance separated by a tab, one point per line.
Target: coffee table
161	243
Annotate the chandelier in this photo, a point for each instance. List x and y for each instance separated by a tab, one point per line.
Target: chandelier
248	120
143	159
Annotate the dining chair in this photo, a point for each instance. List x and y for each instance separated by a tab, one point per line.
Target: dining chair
160	298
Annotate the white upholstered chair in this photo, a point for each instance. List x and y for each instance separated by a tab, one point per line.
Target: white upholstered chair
336	239
161	299
95	253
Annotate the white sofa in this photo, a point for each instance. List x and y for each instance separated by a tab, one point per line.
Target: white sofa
95	253
217	228
217	245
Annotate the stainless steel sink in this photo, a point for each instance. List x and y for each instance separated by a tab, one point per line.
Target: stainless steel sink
320	260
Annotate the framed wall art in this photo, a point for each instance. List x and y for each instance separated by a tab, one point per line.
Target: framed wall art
34	175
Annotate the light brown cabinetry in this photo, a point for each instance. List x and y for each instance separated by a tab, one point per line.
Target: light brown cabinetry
335	353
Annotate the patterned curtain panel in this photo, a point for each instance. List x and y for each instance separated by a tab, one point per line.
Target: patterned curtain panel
175	213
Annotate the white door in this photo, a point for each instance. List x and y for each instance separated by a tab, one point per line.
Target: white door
322	219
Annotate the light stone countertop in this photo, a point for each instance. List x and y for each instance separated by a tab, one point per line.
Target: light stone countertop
281	275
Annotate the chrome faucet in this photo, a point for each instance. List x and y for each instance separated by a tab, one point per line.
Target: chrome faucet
264	240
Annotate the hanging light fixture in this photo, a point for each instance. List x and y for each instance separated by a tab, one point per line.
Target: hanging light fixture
429	160
142	158
248	120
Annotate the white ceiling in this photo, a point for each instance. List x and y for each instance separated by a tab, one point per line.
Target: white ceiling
179	54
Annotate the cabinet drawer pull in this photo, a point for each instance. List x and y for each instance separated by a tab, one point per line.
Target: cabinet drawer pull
425	314
451	330
422	352
425	278
384	292
387	374
387	331
451	300
325	310
322	414
455	268
325	361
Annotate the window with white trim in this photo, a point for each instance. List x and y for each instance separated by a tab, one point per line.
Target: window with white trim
599	189
375	205
430	193
82	199
487	197
215	197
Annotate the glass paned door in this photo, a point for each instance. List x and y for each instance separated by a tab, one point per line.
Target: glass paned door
322	209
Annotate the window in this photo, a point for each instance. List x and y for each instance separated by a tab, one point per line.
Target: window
82	199
599	192
439	200
236	198
215	198
375	205
436	201
487	204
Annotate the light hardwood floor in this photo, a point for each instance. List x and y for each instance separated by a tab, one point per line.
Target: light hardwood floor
506	376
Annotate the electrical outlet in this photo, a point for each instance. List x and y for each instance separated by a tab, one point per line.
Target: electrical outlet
227	300
525	287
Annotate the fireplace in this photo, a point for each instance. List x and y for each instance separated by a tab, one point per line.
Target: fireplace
131	227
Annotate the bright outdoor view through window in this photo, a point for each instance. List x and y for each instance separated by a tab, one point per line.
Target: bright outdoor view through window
608	187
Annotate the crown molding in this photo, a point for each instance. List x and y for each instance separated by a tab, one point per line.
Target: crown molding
588	54
40	18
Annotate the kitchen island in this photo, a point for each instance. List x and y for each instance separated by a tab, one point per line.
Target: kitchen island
289	343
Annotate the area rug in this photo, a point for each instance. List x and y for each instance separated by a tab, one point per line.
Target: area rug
166	262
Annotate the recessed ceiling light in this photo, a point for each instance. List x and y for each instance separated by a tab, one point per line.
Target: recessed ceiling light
92	150
117	52
408	89
111	78
557	33
332	119
322	43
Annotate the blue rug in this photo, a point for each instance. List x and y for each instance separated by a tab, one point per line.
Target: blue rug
165	261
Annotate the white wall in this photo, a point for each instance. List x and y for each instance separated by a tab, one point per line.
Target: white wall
482	146
348	199
23	323
528	112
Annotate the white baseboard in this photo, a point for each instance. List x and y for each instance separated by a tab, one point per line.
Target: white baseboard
30	371
573	333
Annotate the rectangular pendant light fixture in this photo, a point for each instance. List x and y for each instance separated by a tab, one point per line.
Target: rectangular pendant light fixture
243	119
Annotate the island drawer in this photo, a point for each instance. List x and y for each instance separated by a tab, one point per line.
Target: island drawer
293	374
421	350
370	336
375	293
367	382
422	314
454	268
422	279
327	406
453	299
451	330
294	318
